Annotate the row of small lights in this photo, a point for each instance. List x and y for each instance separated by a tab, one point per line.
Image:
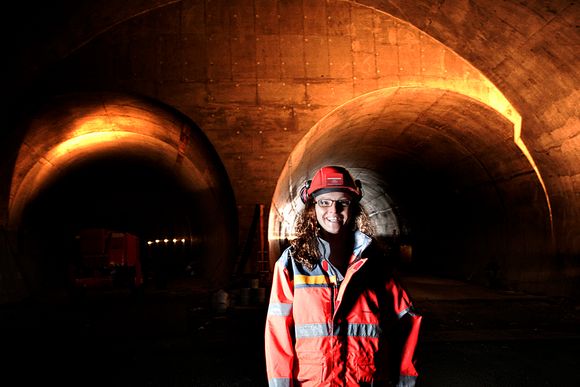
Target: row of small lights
175	240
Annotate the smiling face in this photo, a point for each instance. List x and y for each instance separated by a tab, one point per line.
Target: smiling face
335	218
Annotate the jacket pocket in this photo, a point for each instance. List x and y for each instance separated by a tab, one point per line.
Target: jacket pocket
311	367
362	365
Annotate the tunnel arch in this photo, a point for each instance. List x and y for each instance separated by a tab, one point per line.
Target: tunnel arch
447	163
74	131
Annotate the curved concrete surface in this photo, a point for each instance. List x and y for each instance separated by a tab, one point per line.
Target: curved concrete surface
449	201
110	151
460	116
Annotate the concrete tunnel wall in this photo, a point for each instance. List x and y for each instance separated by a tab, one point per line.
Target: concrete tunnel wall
77	129
256	77
451	202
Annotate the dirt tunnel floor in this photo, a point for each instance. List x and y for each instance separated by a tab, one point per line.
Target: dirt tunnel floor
470	337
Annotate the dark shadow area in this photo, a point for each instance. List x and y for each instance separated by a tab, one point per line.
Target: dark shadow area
154	338
471	336
117	195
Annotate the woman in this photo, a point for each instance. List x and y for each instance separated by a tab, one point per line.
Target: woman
336	317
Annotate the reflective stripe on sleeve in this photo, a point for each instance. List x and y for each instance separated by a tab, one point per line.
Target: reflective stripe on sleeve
408	310
364	330
279	382
312	330
407	381
279	309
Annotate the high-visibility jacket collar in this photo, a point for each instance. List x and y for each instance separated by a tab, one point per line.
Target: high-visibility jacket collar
361	242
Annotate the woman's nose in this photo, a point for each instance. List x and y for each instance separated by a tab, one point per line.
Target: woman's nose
335	207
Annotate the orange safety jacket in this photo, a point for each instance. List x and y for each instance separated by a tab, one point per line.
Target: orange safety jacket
323	329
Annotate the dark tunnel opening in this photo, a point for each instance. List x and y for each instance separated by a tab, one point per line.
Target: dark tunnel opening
120	194
450	174
443	227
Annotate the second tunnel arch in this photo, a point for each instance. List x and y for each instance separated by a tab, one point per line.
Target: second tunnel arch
451	169
83	128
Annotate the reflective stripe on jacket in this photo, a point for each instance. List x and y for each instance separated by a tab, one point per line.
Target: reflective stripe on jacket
326	330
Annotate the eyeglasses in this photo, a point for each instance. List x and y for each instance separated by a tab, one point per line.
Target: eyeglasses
328	202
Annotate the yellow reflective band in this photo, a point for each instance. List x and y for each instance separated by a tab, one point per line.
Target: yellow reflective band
313	280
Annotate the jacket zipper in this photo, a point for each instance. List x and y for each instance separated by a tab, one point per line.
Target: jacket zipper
333	293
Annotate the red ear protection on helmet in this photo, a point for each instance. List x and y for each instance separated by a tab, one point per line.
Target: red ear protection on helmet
304	191
360	189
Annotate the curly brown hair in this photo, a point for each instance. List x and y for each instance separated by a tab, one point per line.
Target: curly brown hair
304	247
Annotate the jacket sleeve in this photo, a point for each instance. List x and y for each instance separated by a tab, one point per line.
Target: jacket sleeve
409	323
279	344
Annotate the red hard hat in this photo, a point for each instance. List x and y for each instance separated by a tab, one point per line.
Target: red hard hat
331	178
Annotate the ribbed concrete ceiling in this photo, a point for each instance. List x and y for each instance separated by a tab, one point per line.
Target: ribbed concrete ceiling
460	117
446	165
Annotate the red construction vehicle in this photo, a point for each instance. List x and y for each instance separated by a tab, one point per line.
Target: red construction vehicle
106	259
